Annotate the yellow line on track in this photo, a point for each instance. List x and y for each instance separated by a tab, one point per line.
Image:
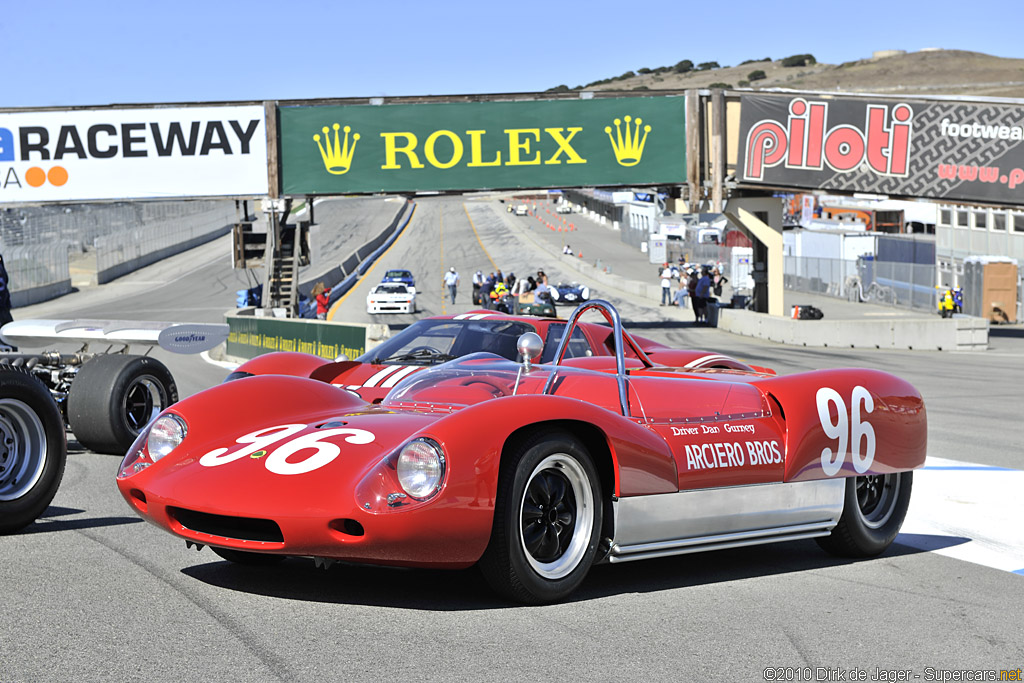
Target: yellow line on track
334	308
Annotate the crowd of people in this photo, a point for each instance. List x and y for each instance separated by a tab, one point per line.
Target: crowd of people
697	283
491	290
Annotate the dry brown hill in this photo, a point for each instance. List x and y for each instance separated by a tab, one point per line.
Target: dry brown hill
929	72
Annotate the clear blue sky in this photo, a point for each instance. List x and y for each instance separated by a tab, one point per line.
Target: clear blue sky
63	52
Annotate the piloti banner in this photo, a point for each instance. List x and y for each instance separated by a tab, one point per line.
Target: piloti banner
957	151
158	152
334	149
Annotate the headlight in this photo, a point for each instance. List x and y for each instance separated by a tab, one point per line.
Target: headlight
421	468
164	436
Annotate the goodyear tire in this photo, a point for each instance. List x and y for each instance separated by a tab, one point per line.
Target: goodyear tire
114	397
33	448
547	520
873	512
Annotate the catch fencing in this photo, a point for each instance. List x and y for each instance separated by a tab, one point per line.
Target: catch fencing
902	285
42	245
897	284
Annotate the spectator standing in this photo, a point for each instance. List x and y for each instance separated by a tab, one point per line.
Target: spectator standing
717	280
703	292
666	285
510	281
451	280
323	300
478	281
485	291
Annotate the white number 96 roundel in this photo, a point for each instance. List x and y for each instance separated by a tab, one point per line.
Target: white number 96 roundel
276	461
849	429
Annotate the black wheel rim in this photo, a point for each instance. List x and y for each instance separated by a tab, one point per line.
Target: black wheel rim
143	400
876	497
549	516
556	516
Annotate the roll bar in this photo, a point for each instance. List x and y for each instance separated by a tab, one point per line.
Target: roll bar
612	317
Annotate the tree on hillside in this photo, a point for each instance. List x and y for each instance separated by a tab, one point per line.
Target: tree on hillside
757	75
683	66
799	60
719	84
707	66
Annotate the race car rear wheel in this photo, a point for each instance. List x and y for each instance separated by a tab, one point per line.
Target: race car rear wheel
873	512
114	397
245	557
33	449
547	520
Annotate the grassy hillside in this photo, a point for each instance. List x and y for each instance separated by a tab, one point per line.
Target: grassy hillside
938	72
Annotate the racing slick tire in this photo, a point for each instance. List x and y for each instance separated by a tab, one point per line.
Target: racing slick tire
33	448
114	397
246	557
873	512
547	520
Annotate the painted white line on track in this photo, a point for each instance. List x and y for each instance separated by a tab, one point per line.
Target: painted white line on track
969	512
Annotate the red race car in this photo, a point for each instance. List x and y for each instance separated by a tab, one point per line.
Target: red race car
535	472
439	339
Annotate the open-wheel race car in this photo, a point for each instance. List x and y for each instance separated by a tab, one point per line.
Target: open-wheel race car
105	397
533	472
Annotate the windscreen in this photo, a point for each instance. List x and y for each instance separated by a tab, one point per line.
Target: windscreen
429	342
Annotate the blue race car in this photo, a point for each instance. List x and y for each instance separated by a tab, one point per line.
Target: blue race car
403	276
570	293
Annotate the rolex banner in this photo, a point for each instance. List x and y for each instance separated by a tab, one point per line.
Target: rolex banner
940	150
482	145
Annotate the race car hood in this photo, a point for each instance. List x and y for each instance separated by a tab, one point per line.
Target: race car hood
270	445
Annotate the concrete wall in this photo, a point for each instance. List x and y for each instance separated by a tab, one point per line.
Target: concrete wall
940	334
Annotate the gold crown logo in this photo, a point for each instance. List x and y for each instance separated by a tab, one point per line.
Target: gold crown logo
337	156
629	148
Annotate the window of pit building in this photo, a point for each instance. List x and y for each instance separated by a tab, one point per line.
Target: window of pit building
1018	221
999	221
980	219
945	218
963	218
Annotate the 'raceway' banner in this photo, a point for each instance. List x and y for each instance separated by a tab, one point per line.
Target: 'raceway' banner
937	150
93	154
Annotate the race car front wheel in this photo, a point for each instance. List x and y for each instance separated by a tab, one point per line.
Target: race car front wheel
33	449
873	512
114	397
547	520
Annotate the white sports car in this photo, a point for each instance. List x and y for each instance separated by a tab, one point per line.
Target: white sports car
391	297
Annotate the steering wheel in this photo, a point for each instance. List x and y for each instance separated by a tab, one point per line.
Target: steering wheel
500	389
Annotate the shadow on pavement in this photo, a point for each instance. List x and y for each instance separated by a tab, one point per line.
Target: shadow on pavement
439	590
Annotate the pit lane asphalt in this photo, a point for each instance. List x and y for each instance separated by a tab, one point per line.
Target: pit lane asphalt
91	593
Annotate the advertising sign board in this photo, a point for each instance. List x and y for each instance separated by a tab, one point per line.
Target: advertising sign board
144	153
482	145
953	150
